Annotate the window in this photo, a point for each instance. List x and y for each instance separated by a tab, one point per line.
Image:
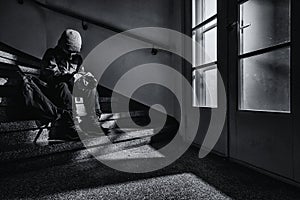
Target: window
205	87
264	70
265	81
263	24
205	58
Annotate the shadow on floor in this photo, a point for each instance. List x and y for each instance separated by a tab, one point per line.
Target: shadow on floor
90	177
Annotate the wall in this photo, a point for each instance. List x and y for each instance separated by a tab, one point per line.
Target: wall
33	29
23	27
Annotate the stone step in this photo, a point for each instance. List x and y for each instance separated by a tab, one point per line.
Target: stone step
122	115
135	122
108	100
31	124
16	160
106	107
11	101
10	108
43	156
17	126
141	152
29	150
66	157
20	137
27	136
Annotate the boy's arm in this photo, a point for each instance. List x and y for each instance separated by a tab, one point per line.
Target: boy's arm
50	71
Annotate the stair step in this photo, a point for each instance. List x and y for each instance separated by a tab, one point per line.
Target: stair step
10	101
141	152
14	111
31	124
28	150
19	137
106	107
108	100
17	126
67	157
127	123
61	154
115	116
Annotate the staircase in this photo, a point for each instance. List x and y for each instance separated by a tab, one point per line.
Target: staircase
18	153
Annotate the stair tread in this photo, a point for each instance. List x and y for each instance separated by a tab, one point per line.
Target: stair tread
119	115
17	125
108	99
141	152
10	101
31	124
113	136
18	137
66	157
28	150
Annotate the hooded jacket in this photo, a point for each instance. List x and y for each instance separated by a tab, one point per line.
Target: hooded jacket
57	65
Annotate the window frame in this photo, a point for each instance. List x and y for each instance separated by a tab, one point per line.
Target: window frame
257	52
206	66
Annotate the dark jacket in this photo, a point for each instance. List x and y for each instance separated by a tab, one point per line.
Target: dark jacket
58	67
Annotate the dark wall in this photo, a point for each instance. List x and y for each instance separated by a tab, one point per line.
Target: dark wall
33	29
30	28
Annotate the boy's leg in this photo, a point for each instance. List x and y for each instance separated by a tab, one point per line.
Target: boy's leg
65	127
91	103
43	104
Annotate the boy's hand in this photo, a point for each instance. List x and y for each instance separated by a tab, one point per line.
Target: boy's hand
89	74
77	76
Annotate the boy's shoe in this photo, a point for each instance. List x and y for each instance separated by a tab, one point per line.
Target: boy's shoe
63	133
91	126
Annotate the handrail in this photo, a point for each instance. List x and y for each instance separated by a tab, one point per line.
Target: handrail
95	22
75	15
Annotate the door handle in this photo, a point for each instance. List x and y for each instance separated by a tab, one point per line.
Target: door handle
245	26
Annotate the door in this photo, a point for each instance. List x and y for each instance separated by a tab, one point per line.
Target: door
261	122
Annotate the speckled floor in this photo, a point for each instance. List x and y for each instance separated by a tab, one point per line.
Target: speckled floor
188	178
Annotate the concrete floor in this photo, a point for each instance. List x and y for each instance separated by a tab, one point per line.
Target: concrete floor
187	178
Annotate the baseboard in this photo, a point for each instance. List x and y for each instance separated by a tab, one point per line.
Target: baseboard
266	172
257	169
212	151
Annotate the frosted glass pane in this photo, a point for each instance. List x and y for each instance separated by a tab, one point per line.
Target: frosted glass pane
208	46
265	82
197	85
266	23
203	10
210	77
205	87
